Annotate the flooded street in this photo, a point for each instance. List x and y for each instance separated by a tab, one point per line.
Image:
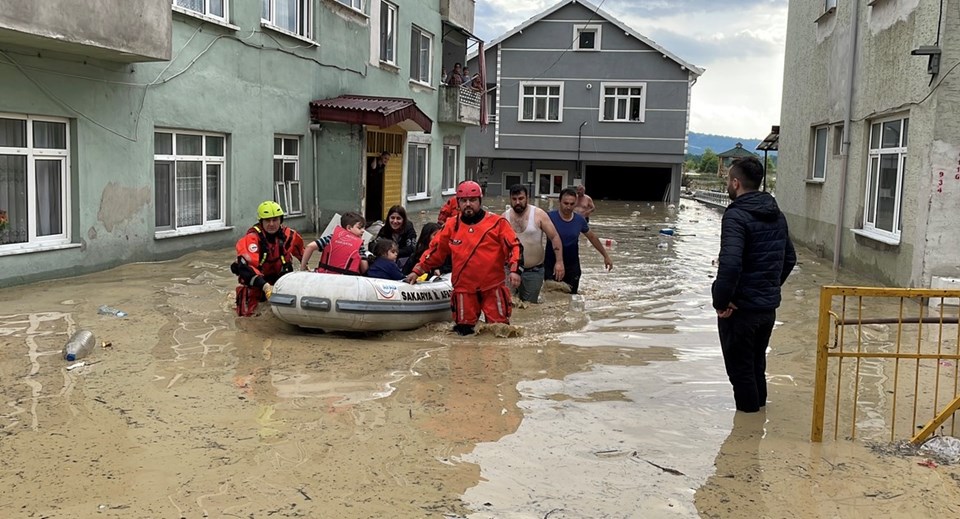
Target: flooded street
619	410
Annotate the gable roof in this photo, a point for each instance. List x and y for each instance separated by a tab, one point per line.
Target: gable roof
607	17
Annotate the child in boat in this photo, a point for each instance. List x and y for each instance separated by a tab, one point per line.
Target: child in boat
385	266
341	252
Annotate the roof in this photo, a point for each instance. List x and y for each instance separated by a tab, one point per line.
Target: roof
737	152
772	141
607	17
372	110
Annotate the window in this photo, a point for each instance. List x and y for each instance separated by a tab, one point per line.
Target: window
838	139
451	159
293	16
417	170
819	170
421	58
888	161
388	32
354	4
541	101
286	174
624	102
586	37
189	179
34	185
213	8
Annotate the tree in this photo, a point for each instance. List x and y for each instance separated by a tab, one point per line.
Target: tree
709	161
690	165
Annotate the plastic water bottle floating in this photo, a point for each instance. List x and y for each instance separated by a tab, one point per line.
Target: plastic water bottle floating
109	310
79	345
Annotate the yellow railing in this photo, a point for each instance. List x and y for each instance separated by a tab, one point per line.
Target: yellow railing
904	353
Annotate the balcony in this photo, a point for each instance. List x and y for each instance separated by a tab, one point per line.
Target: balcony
459	105
458	12
111	30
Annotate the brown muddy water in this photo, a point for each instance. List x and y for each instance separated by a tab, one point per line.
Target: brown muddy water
621	410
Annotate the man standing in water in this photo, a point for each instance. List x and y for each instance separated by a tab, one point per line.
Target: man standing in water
531	223
480	244
756	256
585	206
570	226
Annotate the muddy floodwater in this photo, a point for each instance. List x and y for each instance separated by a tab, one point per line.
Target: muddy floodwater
620	409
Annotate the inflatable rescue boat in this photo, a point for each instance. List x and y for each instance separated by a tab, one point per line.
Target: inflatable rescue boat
335	302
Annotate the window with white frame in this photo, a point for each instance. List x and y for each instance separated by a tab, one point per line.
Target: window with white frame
819	140
541	101
623	102
293	16
212	8
418	170
34	181
189	179
421	55
586	37
884	186
388	33
286	174
451	159
353	4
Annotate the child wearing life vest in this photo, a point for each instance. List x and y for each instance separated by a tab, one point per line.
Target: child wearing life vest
385	266
343	251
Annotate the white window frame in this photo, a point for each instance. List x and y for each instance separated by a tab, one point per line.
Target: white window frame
579	28
819	141
451	169
871	188
304	18
534	97
205	13
627	98
287	192
429	61
205	160
418	182
392	12
356	5
32	156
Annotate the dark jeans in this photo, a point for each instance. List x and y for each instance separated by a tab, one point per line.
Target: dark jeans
744	337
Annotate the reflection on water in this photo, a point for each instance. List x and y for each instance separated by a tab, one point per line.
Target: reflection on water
654	308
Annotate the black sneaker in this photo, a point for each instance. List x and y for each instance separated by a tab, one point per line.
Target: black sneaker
463	329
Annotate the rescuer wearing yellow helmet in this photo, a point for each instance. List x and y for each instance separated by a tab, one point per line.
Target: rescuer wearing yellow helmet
264	254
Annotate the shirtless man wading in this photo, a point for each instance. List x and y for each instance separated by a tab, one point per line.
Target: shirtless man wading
531	224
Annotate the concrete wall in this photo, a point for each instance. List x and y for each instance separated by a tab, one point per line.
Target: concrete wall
117	30
459	12
888	81
249	89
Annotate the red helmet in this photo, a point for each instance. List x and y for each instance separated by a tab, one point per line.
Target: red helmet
469	189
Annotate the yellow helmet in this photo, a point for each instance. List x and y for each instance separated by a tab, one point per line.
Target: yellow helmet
269	209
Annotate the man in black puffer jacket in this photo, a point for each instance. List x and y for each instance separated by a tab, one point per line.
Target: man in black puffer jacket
756	256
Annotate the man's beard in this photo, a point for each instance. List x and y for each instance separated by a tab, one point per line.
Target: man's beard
519	209
731	193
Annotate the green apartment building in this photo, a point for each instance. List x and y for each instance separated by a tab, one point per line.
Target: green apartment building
142	133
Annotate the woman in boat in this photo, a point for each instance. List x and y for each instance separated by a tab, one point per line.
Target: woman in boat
427	233
400	229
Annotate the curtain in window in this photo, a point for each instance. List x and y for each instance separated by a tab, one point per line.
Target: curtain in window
213	191
193	5
13	196
49	197
13	133
286	11
163	182
189	193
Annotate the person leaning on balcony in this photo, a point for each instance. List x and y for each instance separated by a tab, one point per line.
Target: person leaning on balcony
456	75
756	256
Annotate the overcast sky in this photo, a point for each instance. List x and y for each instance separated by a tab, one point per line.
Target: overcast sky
738	42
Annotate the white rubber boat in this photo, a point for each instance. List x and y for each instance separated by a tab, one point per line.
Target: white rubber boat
334	302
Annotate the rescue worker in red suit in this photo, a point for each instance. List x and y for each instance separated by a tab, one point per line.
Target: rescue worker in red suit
449	211
480	244
264	254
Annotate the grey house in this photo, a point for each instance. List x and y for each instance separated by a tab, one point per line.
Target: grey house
574	95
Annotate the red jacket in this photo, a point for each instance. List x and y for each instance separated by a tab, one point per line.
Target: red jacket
479	252
449	211
342	254
267	258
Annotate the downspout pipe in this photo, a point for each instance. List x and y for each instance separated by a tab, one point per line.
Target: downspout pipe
845	146
315	130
